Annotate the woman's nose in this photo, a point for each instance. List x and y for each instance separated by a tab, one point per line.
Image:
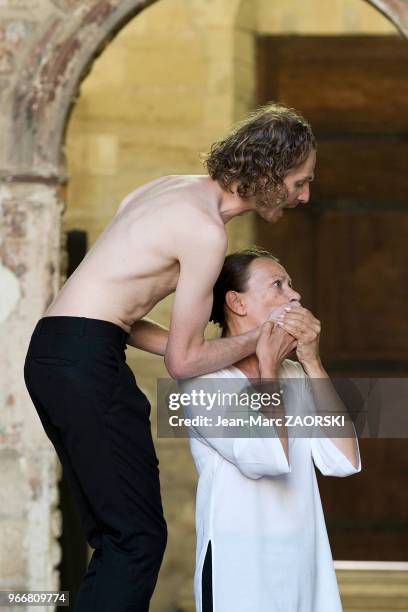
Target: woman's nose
295	296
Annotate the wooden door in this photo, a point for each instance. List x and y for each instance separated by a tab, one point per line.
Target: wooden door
347	250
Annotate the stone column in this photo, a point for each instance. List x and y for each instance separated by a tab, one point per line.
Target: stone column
30	239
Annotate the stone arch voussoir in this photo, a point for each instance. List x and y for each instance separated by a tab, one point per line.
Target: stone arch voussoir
50	79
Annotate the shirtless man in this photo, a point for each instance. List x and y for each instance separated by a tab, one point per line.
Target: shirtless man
166	236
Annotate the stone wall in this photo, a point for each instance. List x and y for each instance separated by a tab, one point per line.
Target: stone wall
175	78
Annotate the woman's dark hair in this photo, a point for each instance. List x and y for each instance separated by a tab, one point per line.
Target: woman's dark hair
234	276
260	150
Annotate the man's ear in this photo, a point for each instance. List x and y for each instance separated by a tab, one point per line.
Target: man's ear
235	303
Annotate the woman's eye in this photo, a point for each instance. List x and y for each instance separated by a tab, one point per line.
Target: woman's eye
278	283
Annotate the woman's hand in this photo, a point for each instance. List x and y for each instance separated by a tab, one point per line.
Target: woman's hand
281	309
273	345
303	326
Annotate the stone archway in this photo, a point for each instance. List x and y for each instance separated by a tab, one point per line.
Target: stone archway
46	54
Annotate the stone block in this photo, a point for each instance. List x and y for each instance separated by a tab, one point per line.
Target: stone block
13	562
13	33
244	47
13	487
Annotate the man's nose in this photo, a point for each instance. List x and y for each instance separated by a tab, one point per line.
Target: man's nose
304	195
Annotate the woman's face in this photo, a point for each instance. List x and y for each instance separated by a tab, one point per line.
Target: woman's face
268	286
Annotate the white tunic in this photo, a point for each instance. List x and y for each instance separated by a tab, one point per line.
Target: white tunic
264	518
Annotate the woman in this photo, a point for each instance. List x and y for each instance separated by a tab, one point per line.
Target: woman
262	543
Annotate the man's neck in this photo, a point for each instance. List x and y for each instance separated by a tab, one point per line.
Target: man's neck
231	205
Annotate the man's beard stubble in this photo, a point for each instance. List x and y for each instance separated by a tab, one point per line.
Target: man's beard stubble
270	201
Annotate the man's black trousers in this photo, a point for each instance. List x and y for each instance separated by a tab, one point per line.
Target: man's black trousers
97	418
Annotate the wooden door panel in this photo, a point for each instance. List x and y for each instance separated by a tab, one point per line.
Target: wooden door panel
371	170
366	514
293	241
344	83
362	290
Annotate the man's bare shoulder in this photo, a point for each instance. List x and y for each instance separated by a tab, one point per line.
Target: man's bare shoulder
185	207
196	228
197	201
137	194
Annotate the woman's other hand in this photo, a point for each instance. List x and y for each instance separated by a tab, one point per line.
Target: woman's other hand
301	324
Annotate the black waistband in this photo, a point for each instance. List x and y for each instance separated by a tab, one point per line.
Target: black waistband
81	326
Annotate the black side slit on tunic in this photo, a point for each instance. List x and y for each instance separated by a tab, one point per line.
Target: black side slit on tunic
206	582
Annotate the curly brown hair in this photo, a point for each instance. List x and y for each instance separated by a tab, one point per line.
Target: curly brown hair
260	150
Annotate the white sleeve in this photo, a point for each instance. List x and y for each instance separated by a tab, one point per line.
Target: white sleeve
327	457
254	457
330	460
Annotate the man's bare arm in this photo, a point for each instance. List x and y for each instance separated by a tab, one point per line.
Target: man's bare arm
188	353
148	336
